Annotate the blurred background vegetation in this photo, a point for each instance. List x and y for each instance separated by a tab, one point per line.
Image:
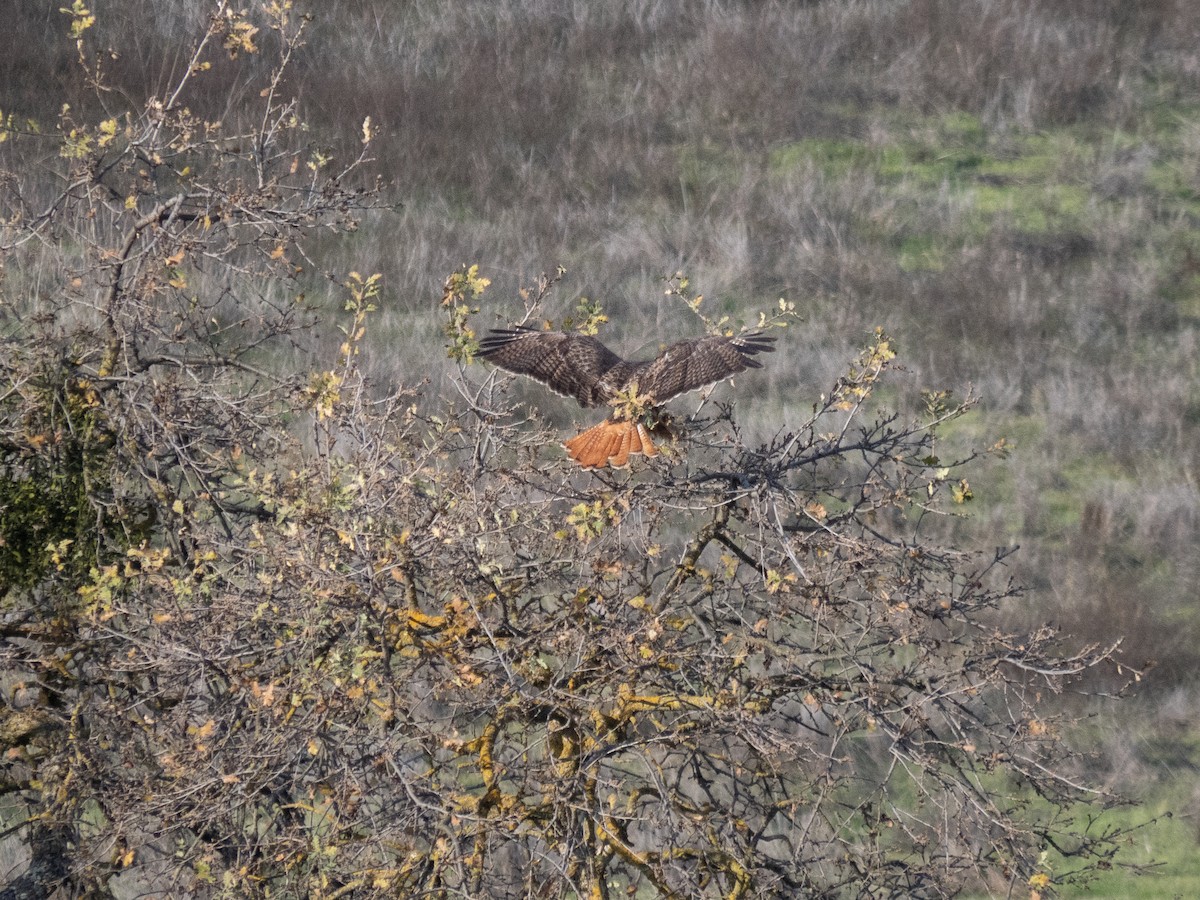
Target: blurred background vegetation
1009	187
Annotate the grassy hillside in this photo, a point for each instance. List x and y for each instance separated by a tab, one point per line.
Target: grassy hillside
1010	188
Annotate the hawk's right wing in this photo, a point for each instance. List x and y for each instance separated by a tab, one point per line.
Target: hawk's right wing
570	364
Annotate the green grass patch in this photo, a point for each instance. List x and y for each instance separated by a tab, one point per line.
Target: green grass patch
1167	848
923	253
956	188
1156	839
1036	210
1064	496
962	128
836	158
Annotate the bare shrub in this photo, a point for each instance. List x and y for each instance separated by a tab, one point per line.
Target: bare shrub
270	629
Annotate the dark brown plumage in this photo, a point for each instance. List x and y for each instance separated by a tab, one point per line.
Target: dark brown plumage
579	366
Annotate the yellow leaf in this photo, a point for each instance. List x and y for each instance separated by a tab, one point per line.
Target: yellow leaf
265	696
108	131
962	492
204	730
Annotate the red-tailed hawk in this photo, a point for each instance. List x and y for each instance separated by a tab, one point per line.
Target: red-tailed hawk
579	366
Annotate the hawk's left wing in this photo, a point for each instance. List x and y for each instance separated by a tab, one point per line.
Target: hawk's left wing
688	365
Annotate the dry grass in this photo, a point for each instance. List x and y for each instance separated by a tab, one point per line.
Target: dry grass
1008	186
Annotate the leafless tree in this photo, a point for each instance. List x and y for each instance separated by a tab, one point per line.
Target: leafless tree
270	631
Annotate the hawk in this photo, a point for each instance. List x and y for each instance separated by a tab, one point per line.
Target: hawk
579	366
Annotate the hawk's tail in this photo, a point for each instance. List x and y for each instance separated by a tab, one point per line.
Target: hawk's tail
610	443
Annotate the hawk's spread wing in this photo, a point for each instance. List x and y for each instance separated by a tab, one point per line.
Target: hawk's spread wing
579	366
688	365
571	364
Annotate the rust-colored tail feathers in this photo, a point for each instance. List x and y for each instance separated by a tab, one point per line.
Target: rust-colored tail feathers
610	443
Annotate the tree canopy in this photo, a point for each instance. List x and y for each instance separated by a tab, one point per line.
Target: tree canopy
269	629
